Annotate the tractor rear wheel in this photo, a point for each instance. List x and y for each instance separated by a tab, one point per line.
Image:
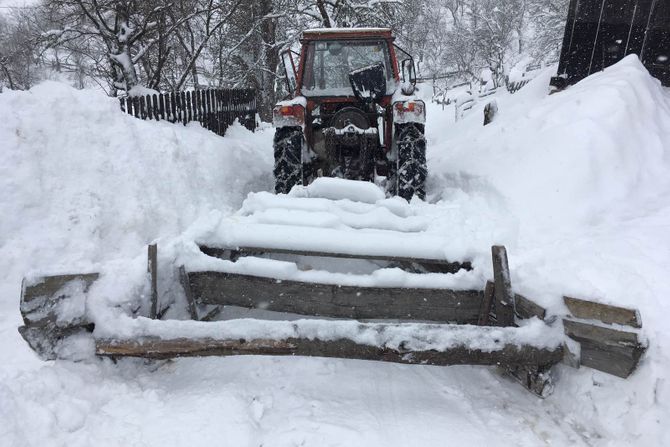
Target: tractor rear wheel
287	145
411	168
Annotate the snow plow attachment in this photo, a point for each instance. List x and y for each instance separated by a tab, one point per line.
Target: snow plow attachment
406	303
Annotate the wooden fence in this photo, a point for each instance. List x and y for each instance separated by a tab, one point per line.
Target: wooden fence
215	109
515	86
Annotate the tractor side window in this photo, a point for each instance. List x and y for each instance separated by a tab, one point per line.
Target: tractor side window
328	64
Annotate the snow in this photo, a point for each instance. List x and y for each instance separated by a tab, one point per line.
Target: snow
139	90
337	189
347	30
575	184
406	336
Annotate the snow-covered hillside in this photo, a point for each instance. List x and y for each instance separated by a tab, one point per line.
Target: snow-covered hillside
576	185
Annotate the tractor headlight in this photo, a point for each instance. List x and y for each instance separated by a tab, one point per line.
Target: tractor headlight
412	111
289	115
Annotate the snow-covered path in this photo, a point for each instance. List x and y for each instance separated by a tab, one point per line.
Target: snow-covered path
576	185
247	401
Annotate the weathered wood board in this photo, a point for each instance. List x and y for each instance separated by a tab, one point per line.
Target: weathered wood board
40	297
504	297
40	301
459	355
152	267
431	265
526	308
605	349
590	310
442	305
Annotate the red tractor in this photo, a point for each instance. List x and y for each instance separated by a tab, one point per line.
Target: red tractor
351	113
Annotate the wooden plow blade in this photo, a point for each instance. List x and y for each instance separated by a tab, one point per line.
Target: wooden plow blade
427	326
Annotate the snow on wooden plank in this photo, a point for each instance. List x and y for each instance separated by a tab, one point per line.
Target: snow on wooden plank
158	348
461	306
590	310
368	243
430	265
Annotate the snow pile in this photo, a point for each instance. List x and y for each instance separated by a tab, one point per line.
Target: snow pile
84	182
85	187
337	189
578	187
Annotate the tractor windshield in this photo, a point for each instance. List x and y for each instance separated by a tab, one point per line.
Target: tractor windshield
328	64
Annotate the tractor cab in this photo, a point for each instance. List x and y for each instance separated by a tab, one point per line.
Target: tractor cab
340	119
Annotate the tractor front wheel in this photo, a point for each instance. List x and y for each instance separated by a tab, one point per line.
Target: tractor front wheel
287	145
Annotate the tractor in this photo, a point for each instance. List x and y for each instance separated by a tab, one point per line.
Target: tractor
351	113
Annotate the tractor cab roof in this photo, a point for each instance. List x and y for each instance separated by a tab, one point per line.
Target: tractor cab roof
346	33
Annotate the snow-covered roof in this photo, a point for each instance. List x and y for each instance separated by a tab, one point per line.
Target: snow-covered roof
346	30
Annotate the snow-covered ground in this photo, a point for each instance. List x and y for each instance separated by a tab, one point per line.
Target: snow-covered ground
576	185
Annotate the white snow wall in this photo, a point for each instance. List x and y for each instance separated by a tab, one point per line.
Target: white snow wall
84	183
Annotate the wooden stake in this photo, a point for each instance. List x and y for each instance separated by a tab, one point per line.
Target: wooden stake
152	266
504	297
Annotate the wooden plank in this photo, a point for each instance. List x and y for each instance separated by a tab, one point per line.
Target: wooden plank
487	303
188	292
432	265
605	349
579	331
152	266
158	348
40	298
136	107
161	99
327	300
504	297
149	106
189	107
526	308
173	107
590	310
143	108
155	107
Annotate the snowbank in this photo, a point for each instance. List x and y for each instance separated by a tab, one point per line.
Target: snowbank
84	185
579	187
576	185
84	182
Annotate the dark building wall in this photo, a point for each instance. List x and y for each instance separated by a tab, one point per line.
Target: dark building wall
598	33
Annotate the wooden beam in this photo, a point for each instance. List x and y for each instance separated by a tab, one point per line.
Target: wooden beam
504	297
487	303
152	266
526	308
431	265
39	297
605	349
590	310
442	305
190	300
158	348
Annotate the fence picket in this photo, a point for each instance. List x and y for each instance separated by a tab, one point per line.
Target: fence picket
189	108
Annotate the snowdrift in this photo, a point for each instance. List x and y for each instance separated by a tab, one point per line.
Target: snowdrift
576	185
85	183
581	181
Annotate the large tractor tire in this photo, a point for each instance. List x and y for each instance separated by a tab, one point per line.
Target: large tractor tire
411	168
287	145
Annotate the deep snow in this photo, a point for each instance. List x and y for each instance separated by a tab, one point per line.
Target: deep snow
575	185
